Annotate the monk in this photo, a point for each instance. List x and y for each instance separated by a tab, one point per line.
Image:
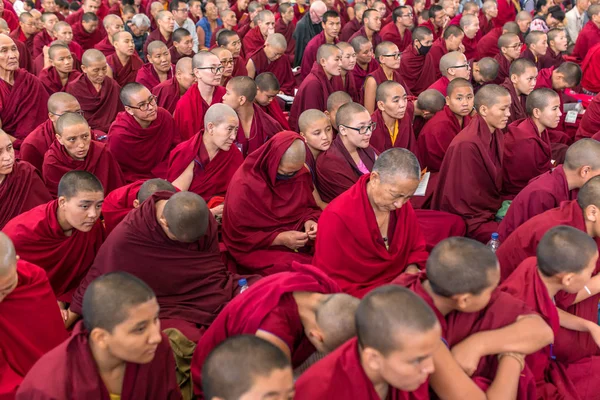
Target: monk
346	81
263	239
553	187
510	49
399	31
557	45
331	30
86	31
97	93
316	88
470	177
124	62
46	35
87	6
170	91
25	60
142	136
590	34
451	40
63	31
189	112
122	310
231	41
520	83
271	58
286	25
488	44
365	63
63	236
354	25
436	21
22	95
26	31
164	33
56	77
537	45
470	26
299	311
379	362
334	102
427	104
371	20
159	67
113	24
412	62
453	65
267	89
183	45
26	294
255	39
255	126
483	71
226	59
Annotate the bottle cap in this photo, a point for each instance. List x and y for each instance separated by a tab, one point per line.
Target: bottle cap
242	282
495	236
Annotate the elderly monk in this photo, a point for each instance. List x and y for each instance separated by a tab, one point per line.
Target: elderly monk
26	31
299	311
64	235
22	95
379	362
97	93
453	65
164	33
470	26
557	45
268	87
190	110
183	45
555	186
142	136
124	62
270	58
316	88
255	125
331	30
286	26
451	40
231	41
263	239
528	151
470	177
26	294
113	24
537	45
510	50
159	67
371	20
399	31
46	35
74	149
25	59
170	91
520	82
483	72
412	62
365	63
86	31
61	71
226	59
255	39
122	310
346	82
590	34
307	28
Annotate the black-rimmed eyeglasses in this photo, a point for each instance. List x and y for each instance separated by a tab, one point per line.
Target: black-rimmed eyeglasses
144	106
214	70
363	130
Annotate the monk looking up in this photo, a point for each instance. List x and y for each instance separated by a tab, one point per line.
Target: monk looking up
365	63
255	39
170	91
520	82
412	62
557	45
510	49
159	67
61	71
119	348
331	30
266	97
164	32
113	24
183	45
124	62
270	58
453	65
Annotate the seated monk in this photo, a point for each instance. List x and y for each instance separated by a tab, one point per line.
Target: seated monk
426	106
26	294
286	25
470	26
470	177
412	62
61	71
164	31
226	59
170	241
124	62
113	24
270	58
453	65
255	39
483	71
62	31
528	151
318	85
25	60
365	63
263	239
330	23
334	102
255	126
46	35
246	366
97	93
64	235
355	23
346	81
183	45
488	44
142	136
380	362
231	41
520	83
451	40
86	31
23	97
268	87
399	31
74	149
510	50
26	31
159	67
557	45
371	25
299	311
590	122
537	45
170	91
189	112
122	310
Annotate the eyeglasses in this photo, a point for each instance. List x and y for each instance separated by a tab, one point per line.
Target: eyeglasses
467	66
515	46
144	106
395	55
80	112
227	62
214	70
363	130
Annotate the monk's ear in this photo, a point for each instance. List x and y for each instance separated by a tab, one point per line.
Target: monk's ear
380	106
243	100
316	336
62	200
447	103
59	139
163	222
566	279
136	203
373	358
482	110
100	337
536	113
591	213
514	78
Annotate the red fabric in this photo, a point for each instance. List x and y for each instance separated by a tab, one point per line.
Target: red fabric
380	77
506	13
100	108
30	326
76	50
288	32
348	85
412	70
470	45
590	123
258	207
25	59
142	153
23	106
18	35
485	26
10	17
349	29
252	41
437	32
587	39
310	53
73	361
472	169
191	282
590	68
381	139
435	54
527	54
274	111
38	238
84	39
312	93
190	110
503	68
360	74
375	39
262	129
75	17
517	102
211	177
39	41
124	74
52	82
488	45
118	203
105	46
168	94
38	64
552	59
390	33
239	67
298	13
281	68
156	35
441	85
351	250
148	76
248	313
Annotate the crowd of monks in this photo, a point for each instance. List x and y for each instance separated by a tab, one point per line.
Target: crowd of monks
243	200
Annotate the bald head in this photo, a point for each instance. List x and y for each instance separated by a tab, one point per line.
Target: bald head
111	19
336	319
540	99
59	101
385	48
387	89
308	117
488	68
221	52
397	164
295	154
121	35
565	249
511	27
8	255
489	95
203	58
346	113
218	113
431	100
318	7
184	65
75	182
523	16
584	152
451	59
4	26
327	50
467	20
589	194
507	39
336	100
68	120
152	186
243	86
92	56
358	42
130	90
267	81
277	40
456	84
155	46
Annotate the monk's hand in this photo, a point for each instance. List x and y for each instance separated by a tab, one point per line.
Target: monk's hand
310	227
217	211
467	355
461	48
71	318
292	239
63	310
412	269
594	331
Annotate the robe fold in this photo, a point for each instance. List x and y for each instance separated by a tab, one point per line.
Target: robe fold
380	77
281	68
485	25
105	46
347	84
390	33
588	37
288	32
432	60
168	94
552	59
517	102
470	46
258	207
268	305
157	35
528	54
441	85
506	12
73	364
360	74
437	32
251	42
381	139
190	110
239	67
349	29
38	65
18	35
590	122
503	68
39	239
25	59
262	129
312	93
590	68
39	41
85	39
275	112
118	204
124	74
142	153
488	45
148	76
50	78
412	70
375	39
310	53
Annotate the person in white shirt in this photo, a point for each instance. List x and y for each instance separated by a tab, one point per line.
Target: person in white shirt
575	19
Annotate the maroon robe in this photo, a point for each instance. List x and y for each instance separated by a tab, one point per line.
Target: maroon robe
312	93
412	70
189	112
274	111
124	74
168	94
437	32
506	12
527	54
360	74
390	33
470	45
349	29
176	56
590	123
310	53
10	16
39	41
50	78
156	35
375	40
517	102
239	67
347	84
441	85
262	129
288	32
118	204
381	139
432	60
503	68
588	38
85	39
485	26
105	46
252	41
18	35
281	68
148	76
25	59
488	45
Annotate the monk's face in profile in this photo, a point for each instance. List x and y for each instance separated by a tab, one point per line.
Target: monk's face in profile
230	19
354	137
143	106
573	282
373	21
234	45
461	101
560	42
210	73
29	26
453	42
166	22
319	134
64	33
125	44
540	47
232	98
81	211
96	71
550	115
348	58
365	55
496	115
391	57
332	65
394	103
62	60
49	21
278	385
472	29
9	55
513	49
224	133
185	77
265	97
76	140
7	156
185	46
525	83
161	59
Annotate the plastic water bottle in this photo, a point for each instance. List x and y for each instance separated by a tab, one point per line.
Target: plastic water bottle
494	243
243	284
579	107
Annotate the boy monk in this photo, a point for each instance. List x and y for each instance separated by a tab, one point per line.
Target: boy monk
330	21
170	91
346	82
61	71
286	25
537	45
74	149
510	49
117	350
453	65
520	82
365	63
268	87
270	58
24	294
159	67
255	126
183	45
124	62
557	45
315	128
299	311
64	235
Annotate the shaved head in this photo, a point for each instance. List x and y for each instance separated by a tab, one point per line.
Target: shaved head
156	45
184	64
327	50
243	86
511	27
346	113
318	7
218	113
295	153
336	319
534	37
202	58
431	100
152	186
450	60
267	81
277	40
129	90
68	120
584	152
488	68
519	66
506	39
186	215
122	35
358	42
589	194
385	89
55	47
74	182
111	19
8	255
384	48
92	56
60	100
571	73
397	163
337	99
308	117
457	84
539	98
489	95
565	249
3	25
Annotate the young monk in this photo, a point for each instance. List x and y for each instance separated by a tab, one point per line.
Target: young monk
142	136
379	362
189	112
46	35
371	21
231	41
331	25
255	126
268	87
113	24
26	294
346	81
63	235
159	67
412	62
334	102
183	45
453	65
270	58
166	25
263	239
299	311
97	93
470	26
451	40
557	45
399	31
56	77
537	45
86	31
124	62
119	348
226	59
483	71
247	366
26	31
510	49
255	39
63	31
427	104
170	91
286	26
365	63
520	82
316	88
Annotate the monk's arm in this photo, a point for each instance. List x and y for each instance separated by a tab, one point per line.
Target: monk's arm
269	337
318	199
184	180
250	68
350	12
370	89
575	323
591	289
201	38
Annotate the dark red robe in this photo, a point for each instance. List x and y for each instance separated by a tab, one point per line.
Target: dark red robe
432	60
168	94
190	110
552	59
312	93
349	29
588	38
488	45
52	82
590	70
360	74
118	204
252	41
281	68
528	54
124	74
503	68
380	77
390	33
470	45
310	53
437	32
590	123
262	129
517	102
375	39
412	70
156	35
85	39
239	67
25	59
38	64
18	35
506	12
274	111
347	84
381	139
288	32
148	76
485	26
40	40
105	46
